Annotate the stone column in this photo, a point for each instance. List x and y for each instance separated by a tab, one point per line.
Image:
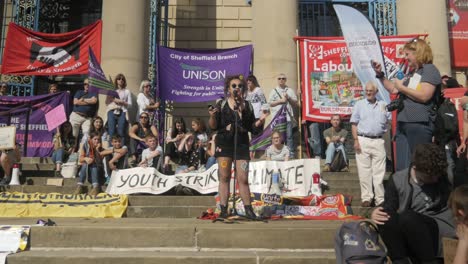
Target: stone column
433	21
125	45
274	24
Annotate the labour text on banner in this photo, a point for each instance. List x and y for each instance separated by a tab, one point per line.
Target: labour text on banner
329	84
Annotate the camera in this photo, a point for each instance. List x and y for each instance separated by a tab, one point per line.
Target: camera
396	104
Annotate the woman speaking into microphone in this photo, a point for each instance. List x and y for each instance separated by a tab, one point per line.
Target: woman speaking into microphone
233	118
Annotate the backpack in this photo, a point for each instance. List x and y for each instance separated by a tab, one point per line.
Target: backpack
358	242
339	162
446	123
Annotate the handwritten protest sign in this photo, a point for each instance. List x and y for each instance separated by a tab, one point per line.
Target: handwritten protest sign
295	175
7	140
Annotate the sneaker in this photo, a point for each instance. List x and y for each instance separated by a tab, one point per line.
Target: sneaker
95	191
346	169
79	190
326	168
57	174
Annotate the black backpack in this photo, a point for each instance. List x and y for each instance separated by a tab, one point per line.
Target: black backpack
446	123
358	242
339	161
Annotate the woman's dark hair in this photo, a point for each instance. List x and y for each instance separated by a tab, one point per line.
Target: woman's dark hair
62	130
174	131
431	160
254	80
458	201
200	123
93	128
227	83
120	76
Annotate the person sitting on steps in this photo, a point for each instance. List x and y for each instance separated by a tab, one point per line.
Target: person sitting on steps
335	137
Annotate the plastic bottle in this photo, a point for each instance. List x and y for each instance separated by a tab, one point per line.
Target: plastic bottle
275	189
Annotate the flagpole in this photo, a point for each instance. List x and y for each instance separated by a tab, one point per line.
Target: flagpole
298	65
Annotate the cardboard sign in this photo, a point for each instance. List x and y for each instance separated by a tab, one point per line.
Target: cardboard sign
7	140
55	117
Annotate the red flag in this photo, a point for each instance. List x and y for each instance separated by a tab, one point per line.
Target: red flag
29	52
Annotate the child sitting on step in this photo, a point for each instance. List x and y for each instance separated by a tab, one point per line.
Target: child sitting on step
151	156
91	164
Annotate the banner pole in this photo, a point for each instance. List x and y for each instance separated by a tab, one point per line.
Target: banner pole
299	105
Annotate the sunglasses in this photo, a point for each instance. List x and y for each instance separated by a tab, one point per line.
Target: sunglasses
4	86
148	85
143	117
234	86
281	78
85	84
120	79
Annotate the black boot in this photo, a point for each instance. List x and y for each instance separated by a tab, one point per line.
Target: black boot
249	213
224	212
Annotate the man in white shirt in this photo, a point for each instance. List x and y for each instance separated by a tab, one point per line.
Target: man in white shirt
283	95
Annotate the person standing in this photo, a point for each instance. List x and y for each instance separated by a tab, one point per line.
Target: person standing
146	101
233	118
416	112
117	109
369	122
4	89
84	109
283	95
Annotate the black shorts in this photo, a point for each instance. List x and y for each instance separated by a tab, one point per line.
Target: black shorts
242	151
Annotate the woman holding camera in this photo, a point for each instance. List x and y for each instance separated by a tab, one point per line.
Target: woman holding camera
233	118
416	113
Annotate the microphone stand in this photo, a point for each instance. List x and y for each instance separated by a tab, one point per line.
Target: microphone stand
234	159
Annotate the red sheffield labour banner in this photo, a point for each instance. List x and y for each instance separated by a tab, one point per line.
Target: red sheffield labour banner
458	32
34	53
329	84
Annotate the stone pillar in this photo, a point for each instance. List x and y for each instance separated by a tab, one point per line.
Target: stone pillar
433	21
125	45
274	24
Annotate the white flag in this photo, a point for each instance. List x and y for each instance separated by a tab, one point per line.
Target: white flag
363	45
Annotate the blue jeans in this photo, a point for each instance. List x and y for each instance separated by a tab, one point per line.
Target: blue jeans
89	171
58	156
210	162
330	152
408	136
116	122
290	139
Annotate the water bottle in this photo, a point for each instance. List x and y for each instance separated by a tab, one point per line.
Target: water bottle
275	189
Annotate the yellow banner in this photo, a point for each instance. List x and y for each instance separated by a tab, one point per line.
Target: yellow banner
62	205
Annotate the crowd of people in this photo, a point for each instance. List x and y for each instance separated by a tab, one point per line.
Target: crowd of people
415	200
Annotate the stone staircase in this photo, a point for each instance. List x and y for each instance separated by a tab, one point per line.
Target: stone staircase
164	229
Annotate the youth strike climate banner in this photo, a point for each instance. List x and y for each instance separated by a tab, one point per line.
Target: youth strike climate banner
329	84
198	76
39	138
29	52
296	176
458	32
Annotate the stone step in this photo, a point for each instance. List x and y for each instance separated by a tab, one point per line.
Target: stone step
124	256
162	200
180	233
196	211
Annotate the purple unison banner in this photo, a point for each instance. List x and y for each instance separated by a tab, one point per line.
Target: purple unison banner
39	138
198	76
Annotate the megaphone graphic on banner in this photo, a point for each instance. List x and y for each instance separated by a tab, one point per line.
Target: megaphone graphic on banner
15	175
